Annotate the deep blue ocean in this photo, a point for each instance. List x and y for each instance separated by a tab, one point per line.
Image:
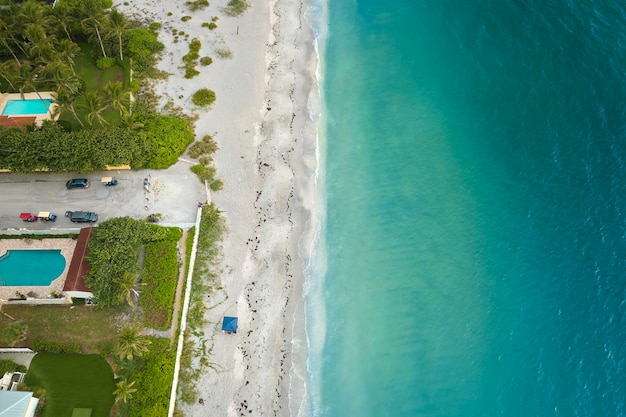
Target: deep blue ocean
472	255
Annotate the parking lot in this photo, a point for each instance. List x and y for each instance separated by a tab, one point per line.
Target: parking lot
173	193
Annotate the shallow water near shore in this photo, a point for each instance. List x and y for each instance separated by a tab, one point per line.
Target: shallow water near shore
471	260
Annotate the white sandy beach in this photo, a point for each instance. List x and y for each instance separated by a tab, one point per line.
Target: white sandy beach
267	160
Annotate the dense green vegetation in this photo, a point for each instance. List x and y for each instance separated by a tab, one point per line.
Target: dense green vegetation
211	229
114	257
151	376
83	53
159	277
203	97
191	59
72	381
236	7
51	147
56	347
7	365
166	137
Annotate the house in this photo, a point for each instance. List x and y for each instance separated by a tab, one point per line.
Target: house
75	286
17	404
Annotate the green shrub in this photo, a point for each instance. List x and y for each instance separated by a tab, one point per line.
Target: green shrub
205	160
104	63
191	72
197	5
207	146
14	333
185	18
205	24
143	46
78	151
114	252
191	58
203	97
212	26
160	275
56	347
236	7
153	376
154	26
135	85
224	53
166	137
7	365
204	173
216	185
206	60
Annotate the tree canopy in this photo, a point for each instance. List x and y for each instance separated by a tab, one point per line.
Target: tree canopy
113	252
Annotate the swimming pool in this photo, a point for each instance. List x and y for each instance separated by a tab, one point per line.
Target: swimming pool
20	268
26	107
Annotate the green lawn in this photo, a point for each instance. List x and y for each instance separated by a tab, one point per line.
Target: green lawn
91	327
95	79
73	381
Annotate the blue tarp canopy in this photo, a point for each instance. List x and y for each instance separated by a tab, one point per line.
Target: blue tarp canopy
230	324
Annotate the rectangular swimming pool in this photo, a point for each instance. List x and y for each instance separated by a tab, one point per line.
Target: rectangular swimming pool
26	107
20	268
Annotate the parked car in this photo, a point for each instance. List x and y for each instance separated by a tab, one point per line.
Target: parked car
81	216
77	183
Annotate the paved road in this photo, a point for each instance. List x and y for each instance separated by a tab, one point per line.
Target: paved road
173	193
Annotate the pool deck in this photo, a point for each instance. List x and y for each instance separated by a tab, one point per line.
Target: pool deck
66	246
39	118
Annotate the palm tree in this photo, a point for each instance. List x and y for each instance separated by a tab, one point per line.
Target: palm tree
65	102
127	286
131	343
117	96
118	24
32	12
61	16
4	40
9	28
62	79
67	51
30	80
130	122
124	391
93	21
92	102
6	70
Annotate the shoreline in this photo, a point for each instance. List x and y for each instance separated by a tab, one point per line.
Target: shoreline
268	163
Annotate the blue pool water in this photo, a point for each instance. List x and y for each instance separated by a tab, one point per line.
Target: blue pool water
26	107
30	267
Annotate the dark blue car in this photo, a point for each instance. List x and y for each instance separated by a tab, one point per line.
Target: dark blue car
77	183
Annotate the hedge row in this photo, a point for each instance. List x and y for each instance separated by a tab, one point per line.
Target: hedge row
56	347
157	145
159	277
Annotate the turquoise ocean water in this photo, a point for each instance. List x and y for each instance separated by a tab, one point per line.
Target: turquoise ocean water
472	258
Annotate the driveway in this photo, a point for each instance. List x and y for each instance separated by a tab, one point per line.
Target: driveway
174	193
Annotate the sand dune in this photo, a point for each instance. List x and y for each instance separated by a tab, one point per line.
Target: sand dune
267	162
